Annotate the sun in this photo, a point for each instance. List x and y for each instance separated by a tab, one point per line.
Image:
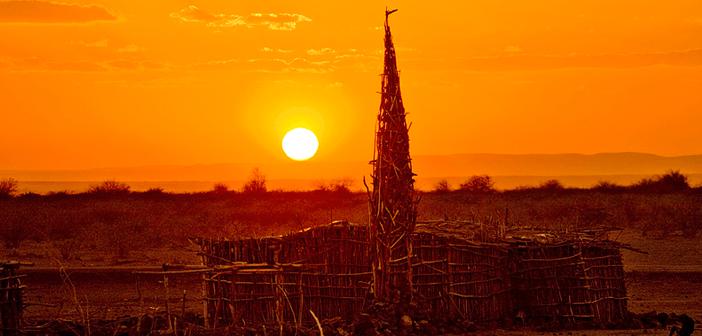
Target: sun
300	144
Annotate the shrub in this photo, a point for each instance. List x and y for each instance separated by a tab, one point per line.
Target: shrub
341	187
479	184
551	185
256	183
29	195
673	181
606	186
109	187
442	186
8	187
61	194
220	188
155	191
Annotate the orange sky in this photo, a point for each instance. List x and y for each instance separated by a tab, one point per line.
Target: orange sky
104	83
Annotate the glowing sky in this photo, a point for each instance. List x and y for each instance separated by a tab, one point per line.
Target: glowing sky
104	83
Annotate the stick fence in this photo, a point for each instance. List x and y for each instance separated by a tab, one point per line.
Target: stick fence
458	270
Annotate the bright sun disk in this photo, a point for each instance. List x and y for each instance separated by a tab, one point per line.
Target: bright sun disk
300	144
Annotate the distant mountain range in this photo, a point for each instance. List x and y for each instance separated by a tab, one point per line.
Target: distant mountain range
508	170
558	164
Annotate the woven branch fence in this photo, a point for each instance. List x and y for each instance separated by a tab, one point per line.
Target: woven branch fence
325	270
570	283
456	278
10	299
458	271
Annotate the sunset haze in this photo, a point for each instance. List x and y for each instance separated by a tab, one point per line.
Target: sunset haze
97	84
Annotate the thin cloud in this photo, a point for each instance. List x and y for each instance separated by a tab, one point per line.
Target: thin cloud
272	21
281	21
298	64
294	61
271	50
109	46
521	61
35	11
322	51
217	64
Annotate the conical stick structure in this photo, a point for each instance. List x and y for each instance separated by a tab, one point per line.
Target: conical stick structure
392	201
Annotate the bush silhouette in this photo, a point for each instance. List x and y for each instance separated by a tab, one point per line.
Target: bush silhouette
8	187
109	187
479	184
551	185
220	188
442	186
256	183
155	191
606	186
673	181
341	187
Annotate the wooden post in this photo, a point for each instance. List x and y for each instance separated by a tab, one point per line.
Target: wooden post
392	202
168	309
301	301
207	247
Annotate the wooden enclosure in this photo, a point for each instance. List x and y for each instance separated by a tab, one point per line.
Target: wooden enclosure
604	271
459	270
10	299
325	270
459	278
569	282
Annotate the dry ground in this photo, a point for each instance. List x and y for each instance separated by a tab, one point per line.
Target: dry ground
668	279
113	295
84	231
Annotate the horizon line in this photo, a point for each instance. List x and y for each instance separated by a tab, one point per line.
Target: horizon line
279	162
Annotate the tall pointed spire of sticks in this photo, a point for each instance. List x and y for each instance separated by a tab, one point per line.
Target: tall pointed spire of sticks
392	201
